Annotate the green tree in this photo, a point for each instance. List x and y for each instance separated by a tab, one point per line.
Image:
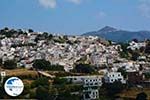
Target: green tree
135	55
40	82
141	96
56	68
135	40
10	64
147	48
42	93
113	88
45	35
20	31
84	68
6	28
50	36
59	40
147	75
60	81
46	65
2	92
67	96
41	64
123	72
110	42
30	31
124	46
1	62
124	52
42	87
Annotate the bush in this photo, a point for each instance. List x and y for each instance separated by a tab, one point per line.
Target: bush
147	48
60	81
42	93
124	52
10	64
84	68
141	96
56	68
2	91
113	88
41	64
40	82
147	75
46	65
30	31
135	55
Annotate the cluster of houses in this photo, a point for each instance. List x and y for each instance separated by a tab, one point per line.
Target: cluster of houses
92	49
19	48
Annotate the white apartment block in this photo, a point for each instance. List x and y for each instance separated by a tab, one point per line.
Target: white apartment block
92	81
87	81
111	77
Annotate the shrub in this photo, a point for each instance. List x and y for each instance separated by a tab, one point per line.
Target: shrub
10	64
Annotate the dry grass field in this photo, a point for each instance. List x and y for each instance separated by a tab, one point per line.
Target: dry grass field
132	93
23	73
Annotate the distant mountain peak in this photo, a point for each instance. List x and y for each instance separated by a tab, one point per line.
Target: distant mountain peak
107	29
116	35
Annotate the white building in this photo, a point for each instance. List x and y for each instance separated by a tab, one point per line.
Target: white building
87	81
134	45
68	68
90	94
111	77
92	81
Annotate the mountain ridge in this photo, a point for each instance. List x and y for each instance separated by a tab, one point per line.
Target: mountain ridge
118	35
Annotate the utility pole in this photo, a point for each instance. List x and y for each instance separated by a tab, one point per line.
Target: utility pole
2	74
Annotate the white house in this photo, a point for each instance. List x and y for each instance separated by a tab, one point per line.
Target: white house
134	45
68	67
92	81
111	77
87	81
90	94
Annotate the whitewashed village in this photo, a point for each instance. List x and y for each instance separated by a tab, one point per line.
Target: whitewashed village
94	61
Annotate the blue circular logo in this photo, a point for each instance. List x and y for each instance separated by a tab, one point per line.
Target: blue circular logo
14	86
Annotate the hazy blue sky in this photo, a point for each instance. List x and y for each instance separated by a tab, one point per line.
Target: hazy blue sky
75	16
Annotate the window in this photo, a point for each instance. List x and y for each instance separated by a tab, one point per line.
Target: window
120	79
91	83
93	93
112	80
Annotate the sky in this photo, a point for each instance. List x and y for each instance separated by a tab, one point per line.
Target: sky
75	16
